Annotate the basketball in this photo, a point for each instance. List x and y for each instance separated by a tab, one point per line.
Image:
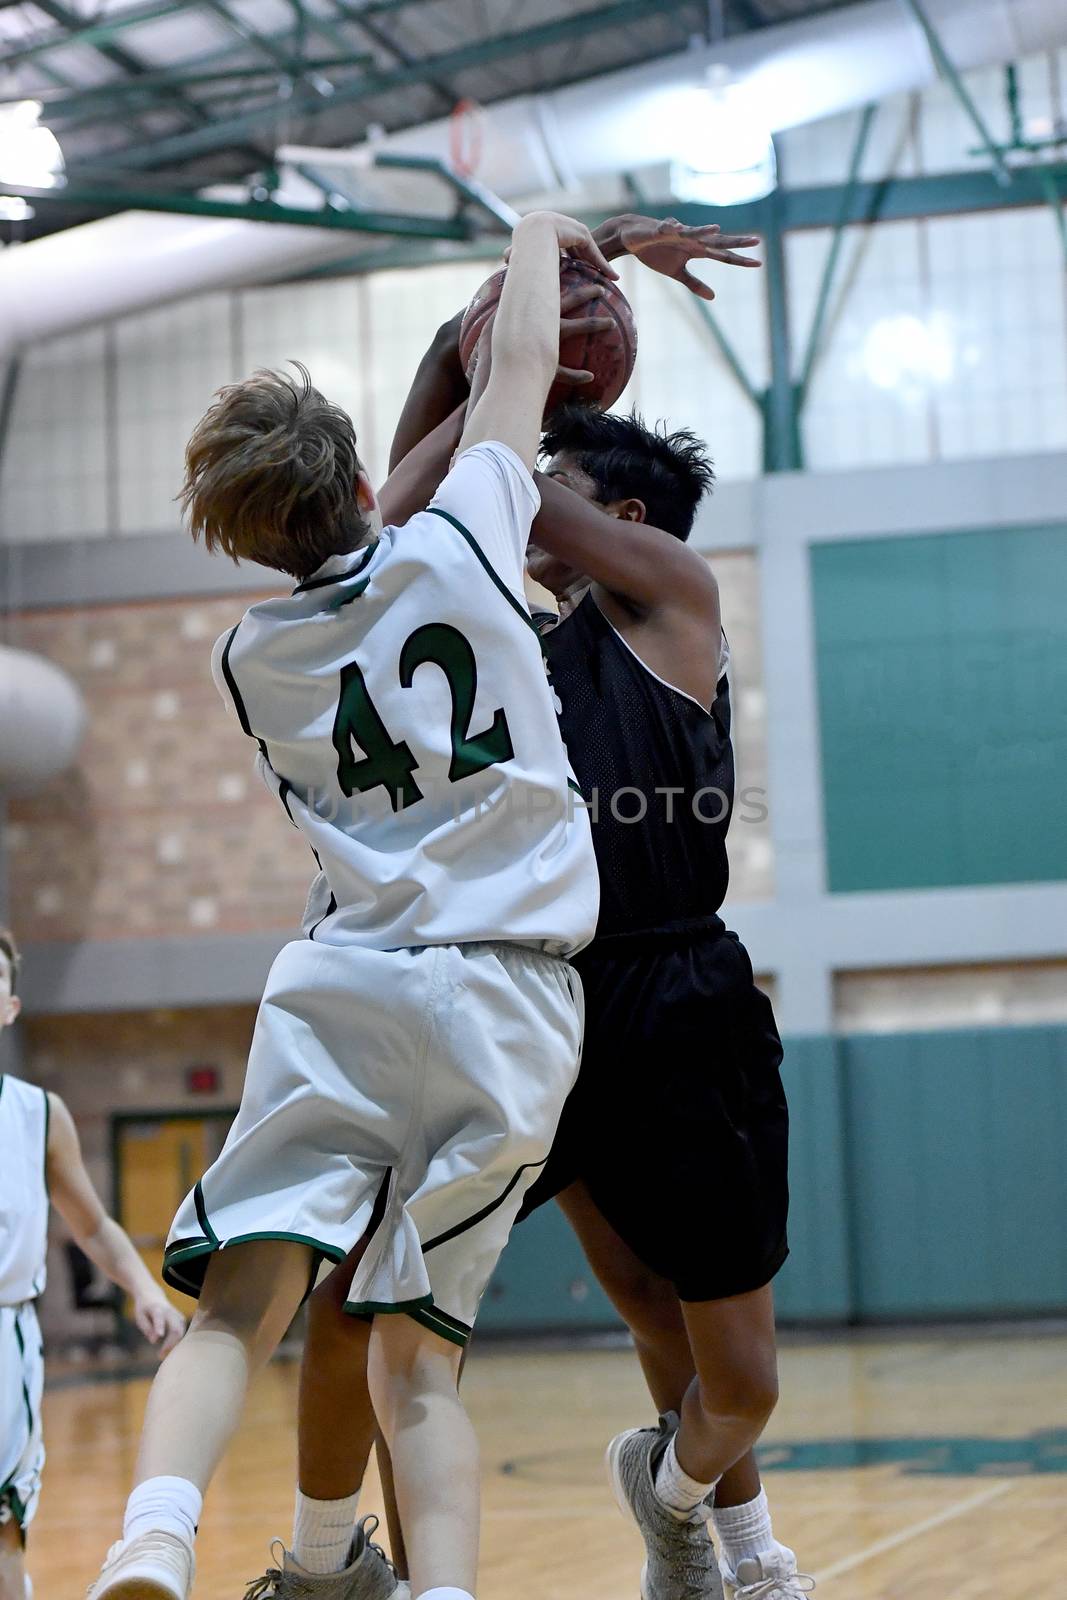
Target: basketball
608	355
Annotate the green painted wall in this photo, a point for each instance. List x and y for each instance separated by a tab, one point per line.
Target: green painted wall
957	1174
942	678
928	1178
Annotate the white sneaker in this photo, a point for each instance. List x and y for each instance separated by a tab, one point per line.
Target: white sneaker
768	1577
154	1566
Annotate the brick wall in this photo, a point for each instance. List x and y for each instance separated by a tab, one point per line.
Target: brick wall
163	828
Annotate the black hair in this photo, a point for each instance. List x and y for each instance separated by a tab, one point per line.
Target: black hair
670	472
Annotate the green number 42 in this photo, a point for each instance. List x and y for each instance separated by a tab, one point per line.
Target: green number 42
388	763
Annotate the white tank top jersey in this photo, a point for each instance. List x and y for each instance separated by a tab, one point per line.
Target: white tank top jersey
23	1190
405	721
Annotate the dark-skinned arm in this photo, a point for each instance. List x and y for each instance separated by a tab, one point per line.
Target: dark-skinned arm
660	595
412	484
647	569
438	388
644	568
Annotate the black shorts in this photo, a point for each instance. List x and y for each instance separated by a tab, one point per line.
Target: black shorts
678	1123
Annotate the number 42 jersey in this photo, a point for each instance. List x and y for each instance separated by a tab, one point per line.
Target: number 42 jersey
405	721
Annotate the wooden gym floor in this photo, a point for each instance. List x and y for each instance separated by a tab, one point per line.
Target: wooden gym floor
919	1468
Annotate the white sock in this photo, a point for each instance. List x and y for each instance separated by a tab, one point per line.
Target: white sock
164	1505
675	1489
445	1593
745	1530
322	1532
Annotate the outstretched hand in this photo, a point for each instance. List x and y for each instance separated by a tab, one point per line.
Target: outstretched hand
669	247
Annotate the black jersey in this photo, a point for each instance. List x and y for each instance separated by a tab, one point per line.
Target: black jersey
632	739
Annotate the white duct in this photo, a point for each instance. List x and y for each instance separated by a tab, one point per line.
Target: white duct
799	72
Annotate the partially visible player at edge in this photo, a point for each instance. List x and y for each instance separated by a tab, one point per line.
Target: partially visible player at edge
636	669
413	1051
41	1165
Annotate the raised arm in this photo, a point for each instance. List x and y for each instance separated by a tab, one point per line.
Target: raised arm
439	386
414	481
650	577
643	566
525	334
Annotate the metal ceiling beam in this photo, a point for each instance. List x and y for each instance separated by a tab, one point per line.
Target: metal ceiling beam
331	187
949	194
468	190
822	304
216	57
185	146
151	83
385	41
782	445
131	65
99	197
752	14
942	194
70	21
1052	194
94	32
290	64
948	70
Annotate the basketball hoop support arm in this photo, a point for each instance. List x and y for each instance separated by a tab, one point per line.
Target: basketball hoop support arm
470	191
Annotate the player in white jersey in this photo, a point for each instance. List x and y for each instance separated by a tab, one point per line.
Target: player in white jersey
413	1051
40	1161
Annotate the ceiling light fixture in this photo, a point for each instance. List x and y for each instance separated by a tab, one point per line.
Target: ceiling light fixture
725	150
29	151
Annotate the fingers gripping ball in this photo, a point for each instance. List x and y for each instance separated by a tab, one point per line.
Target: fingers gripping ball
609	354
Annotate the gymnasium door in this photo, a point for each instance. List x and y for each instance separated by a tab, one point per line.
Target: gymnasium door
157	1159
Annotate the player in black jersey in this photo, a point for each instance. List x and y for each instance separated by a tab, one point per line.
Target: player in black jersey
670	1159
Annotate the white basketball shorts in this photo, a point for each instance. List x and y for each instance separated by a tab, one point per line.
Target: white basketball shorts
21	1386
429	1081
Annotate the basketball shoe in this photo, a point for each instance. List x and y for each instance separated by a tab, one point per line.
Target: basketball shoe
768	1577
679	1555
154	1566
368	1575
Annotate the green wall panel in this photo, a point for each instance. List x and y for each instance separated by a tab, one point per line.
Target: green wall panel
928	1179
942	680
814	1285
957	1180
543	1283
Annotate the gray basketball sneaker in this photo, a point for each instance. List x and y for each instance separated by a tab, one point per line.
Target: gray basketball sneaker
679	1555
368	1576
769	1577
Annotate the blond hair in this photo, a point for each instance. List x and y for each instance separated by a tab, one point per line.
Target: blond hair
270	474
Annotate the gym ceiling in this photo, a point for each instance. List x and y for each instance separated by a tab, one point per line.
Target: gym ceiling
185	93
